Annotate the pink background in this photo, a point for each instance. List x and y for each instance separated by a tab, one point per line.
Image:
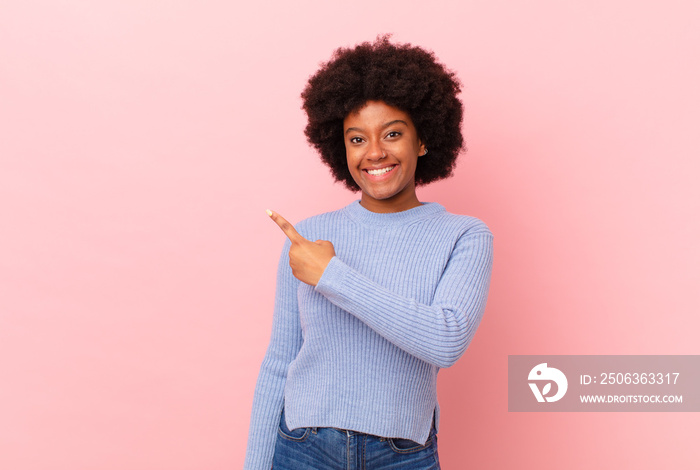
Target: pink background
141	142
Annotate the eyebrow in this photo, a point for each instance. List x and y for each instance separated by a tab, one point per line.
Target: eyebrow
384	126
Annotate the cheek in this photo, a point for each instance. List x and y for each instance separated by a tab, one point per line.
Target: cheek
412	171
352	168
352	161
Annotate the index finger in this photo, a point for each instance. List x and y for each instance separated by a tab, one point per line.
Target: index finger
286	227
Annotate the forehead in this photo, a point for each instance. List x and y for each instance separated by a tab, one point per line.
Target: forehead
375	114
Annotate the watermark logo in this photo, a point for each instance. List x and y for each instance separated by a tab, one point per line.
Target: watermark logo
549	374
597	383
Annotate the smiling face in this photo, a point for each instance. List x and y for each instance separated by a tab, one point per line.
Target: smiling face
382	148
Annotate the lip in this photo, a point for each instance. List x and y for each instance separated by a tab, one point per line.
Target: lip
382	177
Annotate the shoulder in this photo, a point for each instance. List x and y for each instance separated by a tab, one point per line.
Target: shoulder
463	225
471	238
315	225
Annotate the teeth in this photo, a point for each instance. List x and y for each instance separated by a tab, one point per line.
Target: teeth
380	172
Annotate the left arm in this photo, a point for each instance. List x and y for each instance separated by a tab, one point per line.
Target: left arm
437	333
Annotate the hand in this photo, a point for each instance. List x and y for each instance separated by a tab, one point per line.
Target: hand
307	259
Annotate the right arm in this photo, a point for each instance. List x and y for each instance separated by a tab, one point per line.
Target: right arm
285	342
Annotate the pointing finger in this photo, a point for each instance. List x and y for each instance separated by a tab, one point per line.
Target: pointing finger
286	227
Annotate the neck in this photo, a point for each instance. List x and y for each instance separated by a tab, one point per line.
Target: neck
393	204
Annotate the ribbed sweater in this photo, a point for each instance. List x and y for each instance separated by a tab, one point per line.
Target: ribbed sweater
361	350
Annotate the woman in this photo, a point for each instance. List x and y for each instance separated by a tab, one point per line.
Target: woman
372	299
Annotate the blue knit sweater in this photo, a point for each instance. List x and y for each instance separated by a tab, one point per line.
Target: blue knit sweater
401	299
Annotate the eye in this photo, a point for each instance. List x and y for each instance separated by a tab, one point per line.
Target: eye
356	140
393	134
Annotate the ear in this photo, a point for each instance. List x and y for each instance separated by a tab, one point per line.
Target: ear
422	149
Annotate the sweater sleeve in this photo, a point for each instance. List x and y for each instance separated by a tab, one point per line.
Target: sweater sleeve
438	333
285	342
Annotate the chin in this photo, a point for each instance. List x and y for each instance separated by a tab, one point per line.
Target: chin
381	196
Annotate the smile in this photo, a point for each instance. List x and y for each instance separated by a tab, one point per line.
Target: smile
380	171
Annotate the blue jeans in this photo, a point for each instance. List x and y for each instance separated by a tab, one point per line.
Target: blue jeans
340	449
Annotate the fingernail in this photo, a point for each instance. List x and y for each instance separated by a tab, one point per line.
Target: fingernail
269	212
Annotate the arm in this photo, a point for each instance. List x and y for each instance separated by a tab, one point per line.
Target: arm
285	342
438	333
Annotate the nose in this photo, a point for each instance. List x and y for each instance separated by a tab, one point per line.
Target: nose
375	151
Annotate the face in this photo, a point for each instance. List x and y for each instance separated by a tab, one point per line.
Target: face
382	148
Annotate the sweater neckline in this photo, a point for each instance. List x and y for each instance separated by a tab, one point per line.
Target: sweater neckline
365	216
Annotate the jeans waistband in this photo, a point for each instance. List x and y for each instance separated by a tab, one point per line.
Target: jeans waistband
350	432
